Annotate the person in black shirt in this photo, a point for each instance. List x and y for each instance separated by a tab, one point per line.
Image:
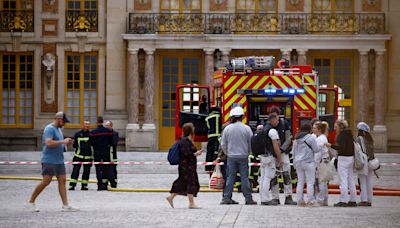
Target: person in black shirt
101	139
113	155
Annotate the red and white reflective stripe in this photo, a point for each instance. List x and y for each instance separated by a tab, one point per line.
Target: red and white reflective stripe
139	163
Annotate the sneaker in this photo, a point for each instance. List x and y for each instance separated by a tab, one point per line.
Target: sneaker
72	188
269	203
276	201
69	209
251	202
352	204
313	204
340	204
301	203
289	201
228	202
364	204
31	207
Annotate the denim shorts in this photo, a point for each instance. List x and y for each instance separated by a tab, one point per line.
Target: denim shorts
53	169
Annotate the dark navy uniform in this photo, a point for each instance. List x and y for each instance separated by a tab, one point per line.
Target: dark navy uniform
214	132
113	155
101	139
83	153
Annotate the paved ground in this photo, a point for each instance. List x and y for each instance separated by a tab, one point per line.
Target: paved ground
139	209
126	209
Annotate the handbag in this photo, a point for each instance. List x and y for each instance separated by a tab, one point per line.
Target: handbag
326	171
216	180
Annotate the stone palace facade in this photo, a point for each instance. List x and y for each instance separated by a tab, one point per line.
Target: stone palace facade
122	59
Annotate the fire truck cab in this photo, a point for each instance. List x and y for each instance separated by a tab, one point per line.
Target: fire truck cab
254	84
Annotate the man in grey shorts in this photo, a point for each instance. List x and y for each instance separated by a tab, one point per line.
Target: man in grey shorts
53	162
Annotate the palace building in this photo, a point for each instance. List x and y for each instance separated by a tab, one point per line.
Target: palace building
122	59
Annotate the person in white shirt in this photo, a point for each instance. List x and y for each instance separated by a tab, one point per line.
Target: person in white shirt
270	160
322	156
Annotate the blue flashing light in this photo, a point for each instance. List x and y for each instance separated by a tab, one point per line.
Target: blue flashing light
285	91
270	90
300	90
292	91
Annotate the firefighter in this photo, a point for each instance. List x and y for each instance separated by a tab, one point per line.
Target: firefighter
101	139
83	153
113	154
214	132
285	138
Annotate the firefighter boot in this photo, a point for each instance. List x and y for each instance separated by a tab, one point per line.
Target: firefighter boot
289	201
84	187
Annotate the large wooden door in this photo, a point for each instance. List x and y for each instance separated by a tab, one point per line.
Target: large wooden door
336	70
175	68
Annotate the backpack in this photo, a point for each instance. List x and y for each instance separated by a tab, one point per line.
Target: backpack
260	142
360	158
174	154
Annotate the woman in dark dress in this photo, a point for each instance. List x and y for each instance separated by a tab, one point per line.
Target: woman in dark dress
188	181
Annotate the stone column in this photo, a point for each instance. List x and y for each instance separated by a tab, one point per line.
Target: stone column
209	66
302	56
363	85
225	55
286	53
133	87
380	131
149	90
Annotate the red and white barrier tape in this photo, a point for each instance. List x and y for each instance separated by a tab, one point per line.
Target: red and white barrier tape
136	163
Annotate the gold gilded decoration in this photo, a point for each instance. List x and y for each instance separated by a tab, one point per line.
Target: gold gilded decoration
85	21
17	24
81	24
16	21
260	23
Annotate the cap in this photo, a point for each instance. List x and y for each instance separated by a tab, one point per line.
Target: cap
237	111
61	115
363	126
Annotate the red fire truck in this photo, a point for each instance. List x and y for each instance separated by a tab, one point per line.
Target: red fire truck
254	84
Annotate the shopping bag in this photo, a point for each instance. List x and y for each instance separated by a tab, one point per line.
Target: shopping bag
216	180
326	170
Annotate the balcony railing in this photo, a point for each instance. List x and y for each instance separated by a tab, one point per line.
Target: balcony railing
16	21
224	23
81	21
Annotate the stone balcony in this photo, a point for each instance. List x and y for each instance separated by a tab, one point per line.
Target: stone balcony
240	23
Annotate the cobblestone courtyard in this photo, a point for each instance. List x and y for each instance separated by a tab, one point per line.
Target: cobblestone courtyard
137	209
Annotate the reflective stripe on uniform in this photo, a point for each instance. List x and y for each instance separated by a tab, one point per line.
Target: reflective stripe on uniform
217	133
82	139
73	180
83	157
